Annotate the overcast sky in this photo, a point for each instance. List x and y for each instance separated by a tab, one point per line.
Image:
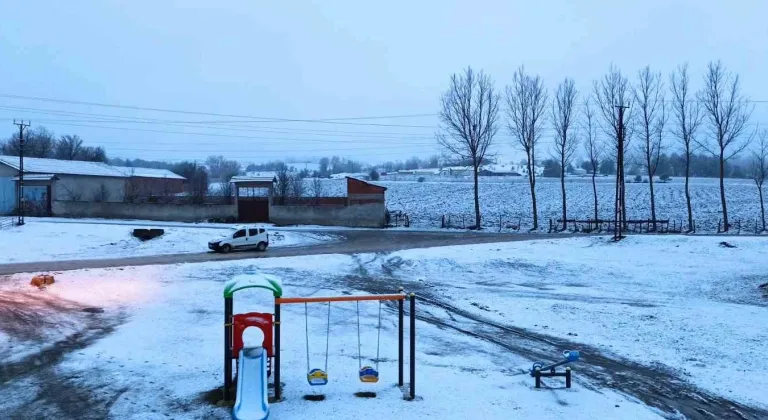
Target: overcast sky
332	59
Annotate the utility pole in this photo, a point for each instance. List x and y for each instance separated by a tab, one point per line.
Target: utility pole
20	190
620	214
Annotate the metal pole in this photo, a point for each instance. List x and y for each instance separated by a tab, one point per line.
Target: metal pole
20	197
227	347
277	352
400	342
413	346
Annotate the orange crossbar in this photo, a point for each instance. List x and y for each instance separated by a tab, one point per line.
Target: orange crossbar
281	301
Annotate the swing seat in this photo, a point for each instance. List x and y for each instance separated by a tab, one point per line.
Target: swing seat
369	374
317	377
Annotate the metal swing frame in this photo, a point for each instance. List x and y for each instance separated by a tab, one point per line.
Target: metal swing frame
400	298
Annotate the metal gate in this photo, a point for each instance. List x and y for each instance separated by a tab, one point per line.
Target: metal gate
253	209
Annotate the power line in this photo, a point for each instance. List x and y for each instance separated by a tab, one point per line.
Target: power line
213	134
249	117
219	124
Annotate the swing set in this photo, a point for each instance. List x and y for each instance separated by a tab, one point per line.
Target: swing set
235	325
367	374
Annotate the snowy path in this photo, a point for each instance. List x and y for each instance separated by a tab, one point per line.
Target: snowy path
336	242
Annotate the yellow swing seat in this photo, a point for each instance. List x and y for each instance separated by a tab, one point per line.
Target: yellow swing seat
369	374
317	377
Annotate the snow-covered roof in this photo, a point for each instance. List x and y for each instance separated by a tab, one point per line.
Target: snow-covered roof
76	167
36	177
239	179
148	172
261	174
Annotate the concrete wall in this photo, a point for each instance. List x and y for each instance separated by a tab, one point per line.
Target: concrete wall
363	215
87	187
145	211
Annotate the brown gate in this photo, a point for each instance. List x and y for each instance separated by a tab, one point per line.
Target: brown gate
253	209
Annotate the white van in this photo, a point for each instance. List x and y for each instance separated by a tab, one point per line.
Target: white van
246	237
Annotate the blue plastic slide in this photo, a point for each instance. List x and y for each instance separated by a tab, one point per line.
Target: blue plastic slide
251	402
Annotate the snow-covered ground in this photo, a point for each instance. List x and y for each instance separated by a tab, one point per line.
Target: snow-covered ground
44	240
509	197
683	304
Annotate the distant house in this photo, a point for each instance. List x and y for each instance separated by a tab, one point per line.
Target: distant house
499	170
49	180
578	172
423	171
456	170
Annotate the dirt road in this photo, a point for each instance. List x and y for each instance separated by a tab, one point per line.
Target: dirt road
352	241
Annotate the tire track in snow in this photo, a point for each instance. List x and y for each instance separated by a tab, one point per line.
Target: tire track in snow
656	387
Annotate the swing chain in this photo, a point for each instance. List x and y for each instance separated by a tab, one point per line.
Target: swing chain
378	339
306	333
327	337
359	354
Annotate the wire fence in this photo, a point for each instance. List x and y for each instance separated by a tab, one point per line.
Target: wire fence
7	222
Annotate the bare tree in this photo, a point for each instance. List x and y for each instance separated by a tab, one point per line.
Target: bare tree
526	102
651	118
317	190
687	120
758	170
726	112
69	147
469	116
609	93
564	122
296	186
282	189
593	147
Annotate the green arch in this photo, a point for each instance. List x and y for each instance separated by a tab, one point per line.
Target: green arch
249	281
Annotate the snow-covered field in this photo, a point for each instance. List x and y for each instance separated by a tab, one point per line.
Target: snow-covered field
46	239
510	198
684	305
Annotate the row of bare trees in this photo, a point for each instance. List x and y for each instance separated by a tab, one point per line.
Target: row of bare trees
470	109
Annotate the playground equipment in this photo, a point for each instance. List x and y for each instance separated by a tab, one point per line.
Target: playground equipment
539	371
368	373
317	377
256	363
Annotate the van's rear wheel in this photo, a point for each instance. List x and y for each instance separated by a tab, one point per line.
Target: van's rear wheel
261	247
226	248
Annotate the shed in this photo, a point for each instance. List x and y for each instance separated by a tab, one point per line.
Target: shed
48	180
362	192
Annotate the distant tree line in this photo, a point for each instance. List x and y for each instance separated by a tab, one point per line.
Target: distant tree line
40	142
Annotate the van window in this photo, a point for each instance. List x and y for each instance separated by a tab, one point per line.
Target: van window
239	234
252	232
261	230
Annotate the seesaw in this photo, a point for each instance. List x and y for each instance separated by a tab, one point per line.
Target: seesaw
539	370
